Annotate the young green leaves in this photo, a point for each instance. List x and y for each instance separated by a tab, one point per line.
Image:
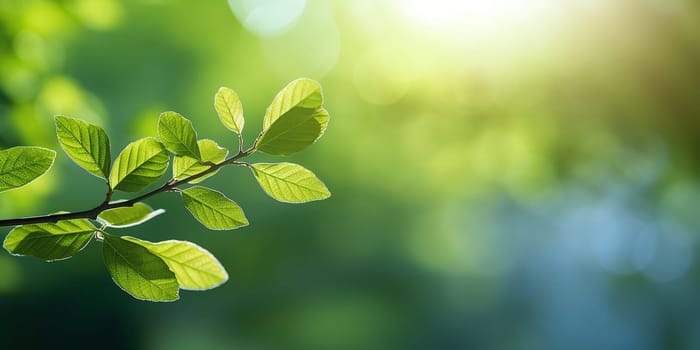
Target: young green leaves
138	271
145	270
288	182
50	241
295	119
184	166
213	209
178	135
140	164
194	267
128	216
302	93
86	144
21	165
229	109
157	271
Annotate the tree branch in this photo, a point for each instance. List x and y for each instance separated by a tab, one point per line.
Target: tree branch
105	205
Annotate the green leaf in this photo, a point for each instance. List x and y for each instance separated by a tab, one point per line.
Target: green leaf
184	166
178	135
128	216
295	118
294	131
288	182
140	163
86	144
228	107
50	241
213	209
301	93
21	165
139	272
194	267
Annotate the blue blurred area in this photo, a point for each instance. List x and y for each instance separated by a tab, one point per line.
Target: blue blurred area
505	174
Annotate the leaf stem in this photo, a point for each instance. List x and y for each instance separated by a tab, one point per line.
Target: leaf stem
257	139
110	192
240	143
106	204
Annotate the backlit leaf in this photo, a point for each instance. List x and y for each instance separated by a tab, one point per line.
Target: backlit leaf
184	166
194	267
228	107
128	216
178	135
213	209
50	241
140	163
301	93
21	165
139	272
294	131
288	182
86	144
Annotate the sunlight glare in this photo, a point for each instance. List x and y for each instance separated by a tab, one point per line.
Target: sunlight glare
498	36
477	18
437	12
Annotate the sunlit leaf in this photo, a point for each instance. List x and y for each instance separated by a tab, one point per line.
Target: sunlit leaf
295	119
228	107
184	166
194	267
178	135
294	131
288	182
22	165
50	241
139	272
86	144
213	209
140	163
128	216
301	93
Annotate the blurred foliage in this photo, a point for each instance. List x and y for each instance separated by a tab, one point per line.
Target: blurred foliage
505	174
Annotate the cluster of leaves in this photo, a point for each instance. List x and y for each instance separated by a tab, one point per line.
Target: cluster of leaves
157	271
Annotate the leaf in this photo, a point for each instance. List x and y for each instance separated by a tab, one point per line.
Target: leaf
21	165
139	272
178	135
194	267
228	107
288	182
128	216
86	144
300	93
213	209
295	118
50	241
294	131
140	163
184	166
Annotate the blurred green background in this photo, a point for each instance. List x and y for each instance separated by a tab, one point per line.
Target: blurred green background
505	174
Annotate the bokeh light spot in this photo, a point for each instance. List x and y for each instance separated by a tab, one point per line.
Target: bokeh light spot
97	14
267	17
63	95
381	76
294	54
39	53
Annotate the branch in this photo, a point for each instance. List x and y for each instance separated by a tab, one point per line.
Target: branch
106	205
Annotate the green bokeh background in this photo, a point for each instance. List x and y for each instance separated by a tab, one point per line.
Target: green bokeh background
505	174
